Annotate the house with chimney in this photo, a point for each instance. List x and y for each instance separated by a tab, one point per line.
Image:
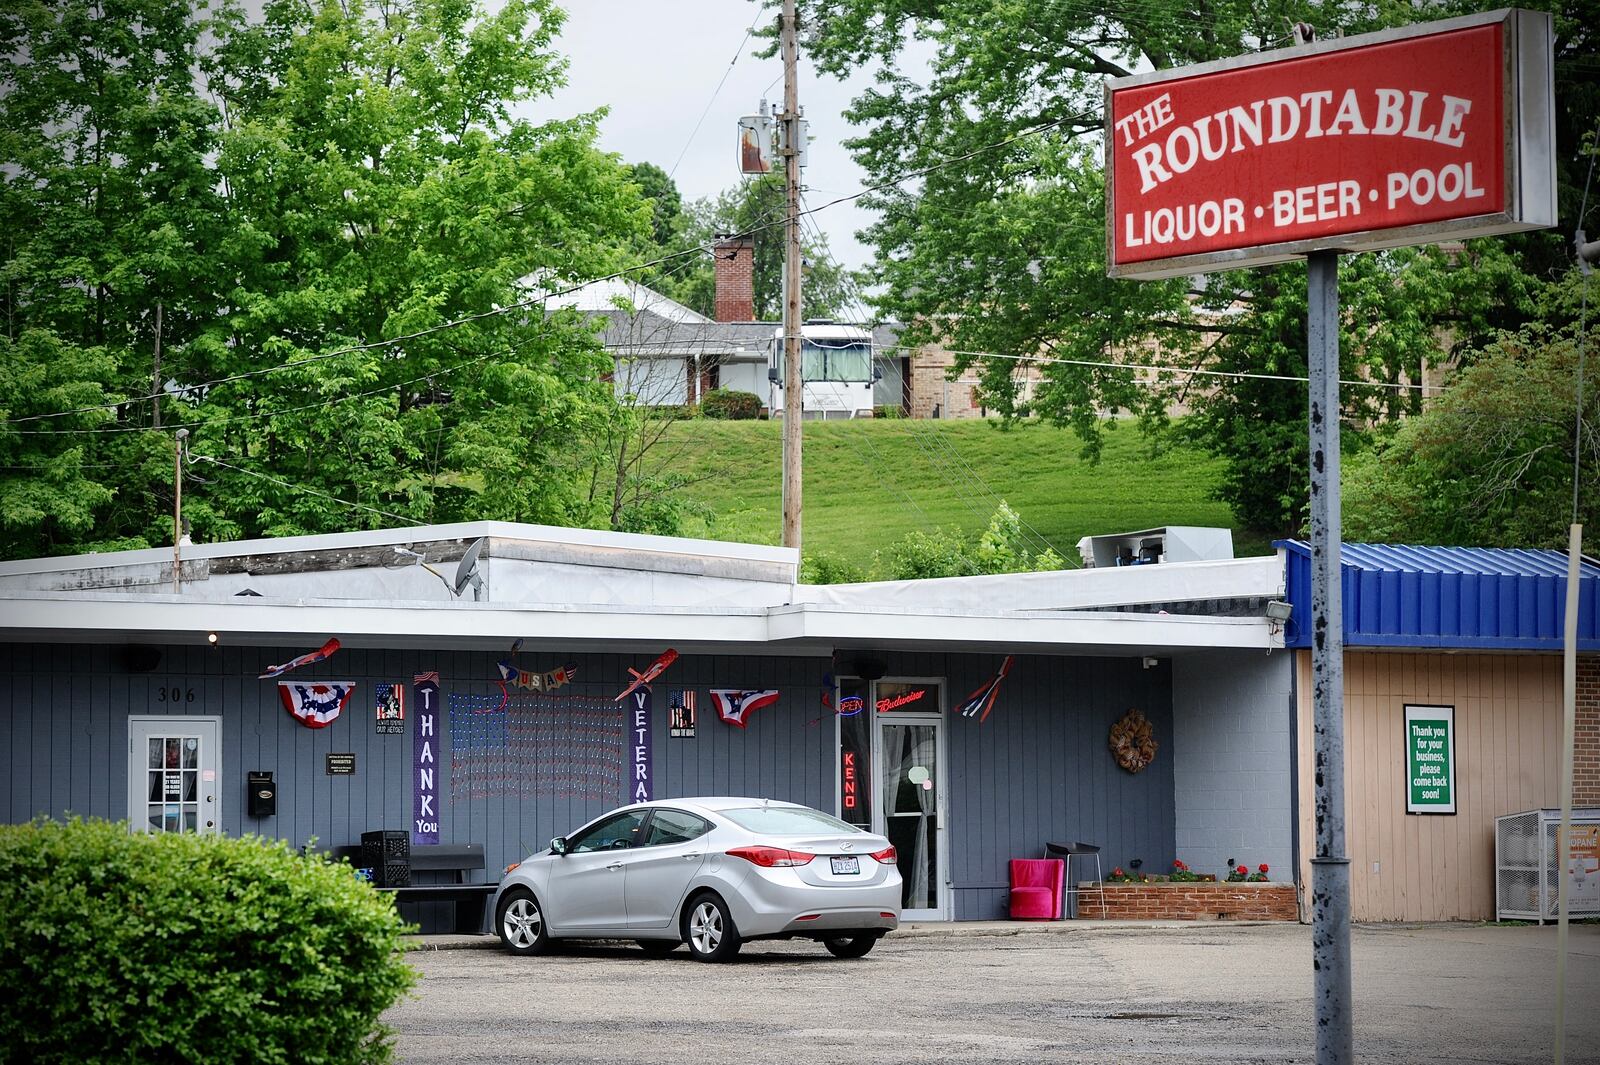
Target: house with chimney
669	355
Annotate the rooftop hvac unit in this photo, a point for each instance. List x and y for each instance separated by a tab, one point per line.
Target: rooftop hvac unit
1525	868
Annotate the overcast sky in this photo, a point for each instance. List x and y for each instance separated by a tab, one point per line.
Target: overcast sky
655	64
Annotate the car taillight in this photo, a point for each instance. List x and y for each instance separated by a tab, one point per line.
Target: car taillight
771	857
886	856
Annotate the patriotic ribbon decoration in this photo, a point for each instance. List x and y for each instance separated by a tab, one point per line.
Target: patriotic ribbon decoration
980	702
530	680
315	703
325	651
735	705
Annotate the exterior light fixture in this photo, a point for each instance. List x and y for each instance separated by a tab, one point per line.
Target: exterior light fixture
211	638
1279	611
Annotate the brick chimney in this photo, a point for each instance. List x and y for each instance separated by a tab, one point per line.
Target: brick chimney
734	258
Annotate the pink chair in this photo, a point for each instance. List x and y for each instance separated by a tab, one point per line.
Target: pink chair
1036	888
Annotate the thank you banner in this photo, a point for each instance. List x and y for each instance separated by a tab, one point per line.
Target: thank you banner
425	758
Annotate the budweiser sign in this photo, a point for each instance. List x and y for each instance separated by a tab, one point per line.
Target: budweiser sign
1437	131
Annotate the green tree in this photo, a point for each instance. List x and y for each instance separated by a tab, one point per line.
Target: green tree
109	250
754	207
1491	461
312	197
999	247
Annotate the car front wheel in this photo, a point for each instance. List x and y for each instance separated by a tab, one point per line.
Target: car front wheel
851	946
709	930
520	923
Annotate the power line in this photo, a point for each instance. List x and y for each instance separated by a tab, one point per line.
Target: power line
302	488
1232	374
737	54
524	304
963	470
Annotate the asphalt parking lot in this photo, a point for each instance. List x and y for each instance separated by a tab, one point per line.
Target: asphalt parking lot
1208	992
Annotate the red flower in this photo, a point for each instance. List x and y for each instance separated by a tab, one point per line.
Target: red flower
1117	871
1177	863
1262	867
1243	869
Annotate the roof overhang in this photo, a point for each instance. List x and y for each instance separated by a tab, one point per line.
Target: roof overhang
63	617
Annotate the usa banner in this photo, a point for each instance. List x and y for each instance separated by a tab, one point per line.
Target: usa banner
641	785
425	758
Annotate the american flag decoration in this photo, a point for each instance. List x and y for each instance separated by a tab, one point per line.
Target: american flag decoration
735	705
980	702
423	678
315	703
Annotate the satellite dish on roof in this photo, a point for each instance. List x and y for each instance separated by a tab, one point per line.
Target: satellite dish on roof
467	572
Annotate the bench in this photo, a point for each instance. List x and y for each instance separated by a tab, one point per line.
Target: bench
439	873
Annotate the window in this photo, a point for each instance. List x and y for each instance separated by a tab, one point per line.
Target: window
832	360
675	826
614	833
786	821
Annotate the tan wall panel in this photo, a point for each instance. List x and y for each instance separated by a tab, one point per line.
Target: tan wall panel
1433	867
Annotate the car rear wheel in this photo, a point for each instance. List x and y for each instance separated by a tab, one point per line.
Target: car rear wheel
851	946
520	923
709	930
658	948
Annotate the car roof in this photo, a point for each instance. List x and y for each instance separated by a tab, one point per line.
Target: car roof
717	803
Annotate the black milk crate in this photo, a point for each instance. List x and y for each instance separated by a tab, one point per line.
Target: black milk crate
386	846
392	874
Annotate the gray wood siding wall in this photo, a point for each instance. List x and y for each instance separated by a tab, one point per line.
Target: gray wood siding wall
1037	770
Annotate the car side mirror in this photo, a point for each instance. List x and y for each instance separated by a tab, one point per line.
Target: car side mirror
558	845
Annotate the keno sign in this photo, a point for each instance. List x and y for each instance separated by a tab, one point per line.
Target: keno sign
1437	131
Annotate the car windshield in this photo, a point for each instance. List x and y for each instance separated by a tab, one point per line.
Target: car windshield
786	821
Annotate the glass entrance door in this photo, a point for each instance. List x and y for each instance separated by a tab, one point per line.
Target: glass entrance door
910	807
173	767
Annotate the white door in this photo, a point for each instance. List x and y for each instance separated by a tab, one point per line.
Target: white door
175	774
910	808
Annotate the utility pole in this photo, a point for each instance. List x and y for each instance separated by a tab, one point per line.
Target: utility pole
155	376
177	510
793	382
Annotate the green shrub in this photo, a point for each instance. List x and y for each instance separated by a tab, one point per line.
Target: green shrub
824	568
895	411
730	405
134	947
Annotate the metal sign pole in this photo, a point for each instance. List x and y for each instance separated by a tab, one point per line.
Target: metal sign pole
1330	869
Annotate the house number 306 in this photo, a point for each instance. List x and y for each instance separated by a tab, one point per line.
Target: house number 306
175	694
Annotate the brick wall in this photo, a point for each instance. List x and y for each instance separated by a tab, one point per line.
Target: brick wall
1586	753
1189	902
733	261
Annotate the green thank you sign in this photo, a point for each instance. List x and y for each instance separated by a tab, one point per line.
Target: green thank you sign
1430	759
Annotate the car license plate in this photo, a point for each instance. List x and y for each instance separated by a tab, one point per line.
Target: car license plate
846	865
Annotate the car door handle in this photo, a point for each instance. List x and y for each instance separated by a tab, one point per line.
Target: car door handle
614	865
692	857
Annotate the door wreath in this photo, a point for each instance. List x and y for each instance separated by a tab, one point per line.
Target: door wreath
1133	741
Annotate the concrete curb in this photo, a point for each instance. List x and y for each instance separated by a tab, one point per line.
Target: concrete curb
923	930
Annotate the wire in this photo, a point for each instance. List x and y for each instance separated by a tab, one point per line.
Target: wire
524	304
1583	329
1231	374
953	465
303	488
737	54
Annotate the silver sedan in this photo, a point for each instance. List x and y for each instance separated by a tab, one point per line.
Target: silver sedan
709	872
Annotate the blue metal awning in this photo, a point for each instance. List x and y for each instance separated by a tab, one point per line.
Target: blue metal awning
1448	597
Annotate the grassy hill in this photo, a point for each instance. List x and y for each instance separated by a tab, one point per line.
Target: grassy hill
868	483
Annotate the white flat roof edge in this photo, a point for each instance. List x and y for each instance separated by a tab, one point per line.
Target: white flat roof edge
467	530
121	615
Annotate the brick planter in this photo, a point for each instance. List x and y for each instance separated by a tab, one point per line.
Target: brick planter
1198	901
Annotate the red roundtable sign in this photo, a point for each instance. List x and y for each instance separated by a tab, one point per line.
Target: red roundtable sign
1282	154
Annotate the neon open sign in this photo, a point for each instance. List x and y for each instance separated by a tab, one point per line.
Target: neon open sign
1442	130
